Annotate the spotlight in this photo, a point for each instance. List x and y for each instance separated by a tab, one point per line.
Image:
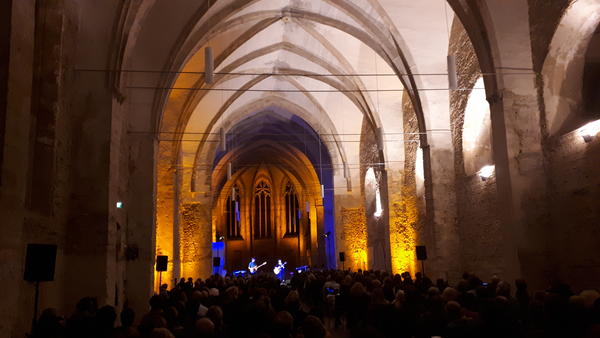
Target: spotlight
588	131
486	172
327	234
119	205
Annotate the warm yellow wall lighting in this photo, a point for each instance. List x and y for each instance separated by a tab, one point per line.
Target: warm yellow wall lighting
404	216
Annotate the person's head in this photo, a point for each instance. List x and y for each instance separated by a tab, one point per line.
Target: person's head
453	310
253	259
312	327
155	302
127	317
205	328
87	305
503	289
279	261
450	294
106	317
50	323
589	297
283	324
215	314
161	333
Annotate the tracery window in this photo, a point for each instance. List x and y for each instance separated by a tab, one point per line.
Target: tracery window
292	211
262	211
233	215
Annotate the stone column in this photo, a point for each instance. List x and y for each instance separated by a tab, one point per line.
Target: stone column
17	34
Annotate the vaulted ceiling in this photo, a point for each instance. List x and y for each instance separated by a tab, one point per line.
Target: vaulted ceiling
333	63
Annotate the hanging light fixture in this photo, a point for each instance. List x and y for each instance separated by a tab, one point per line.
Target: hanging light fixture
223	140
209	65
452	75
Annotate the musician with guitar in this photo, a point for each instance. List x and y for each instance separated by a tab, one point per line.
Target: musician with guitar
279	269
252	267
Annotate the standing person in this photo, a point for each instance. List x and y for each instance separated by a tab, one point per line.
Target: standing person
279	269
252	266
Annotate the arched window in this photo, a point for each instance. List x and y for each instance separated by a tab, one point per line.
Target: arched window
233	215
262	210
292	211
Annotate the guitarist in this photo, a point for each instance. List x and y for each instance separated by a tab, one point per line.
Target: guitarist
279	269
252	267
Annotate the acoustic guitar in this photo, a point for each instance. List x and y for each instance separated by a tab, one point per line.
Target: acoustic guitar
277	269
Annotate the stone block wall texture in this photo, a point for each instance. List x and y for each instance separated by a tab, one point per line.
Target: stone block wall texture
196	240
575	209
404	229
355	236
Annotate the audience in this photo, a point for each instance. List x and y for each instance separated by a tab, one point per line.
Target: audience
335	303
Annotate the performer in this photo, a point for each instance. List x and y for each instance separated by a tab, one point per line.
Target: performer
252	267
279	269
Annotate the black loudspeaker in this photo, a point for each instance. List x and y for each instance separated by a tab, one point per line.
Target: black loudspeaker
40	262
342	256
216	261
421	252
161	263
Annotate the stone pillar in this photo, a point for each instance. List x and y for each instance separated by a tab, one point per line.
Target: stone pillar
165	208
196	238
141	221
16	33
443	244
516	142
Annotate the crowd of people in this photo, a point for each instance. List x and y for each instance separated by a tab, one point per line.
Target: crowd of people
335	303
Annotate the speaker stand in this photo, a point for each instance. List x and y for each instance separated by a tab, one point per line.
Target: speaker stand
159	281
423	267
35	305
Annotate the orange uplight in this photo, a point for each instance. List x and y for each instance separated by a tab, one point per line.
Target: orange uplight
355	232
404	217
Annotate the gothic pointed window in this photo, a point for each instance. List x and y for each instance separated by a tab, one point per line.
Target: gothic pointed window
292	211
262	211
232	212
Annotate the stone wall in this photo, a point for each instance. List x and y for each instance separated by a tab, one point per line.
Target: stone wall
574	209
354	235
479	226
